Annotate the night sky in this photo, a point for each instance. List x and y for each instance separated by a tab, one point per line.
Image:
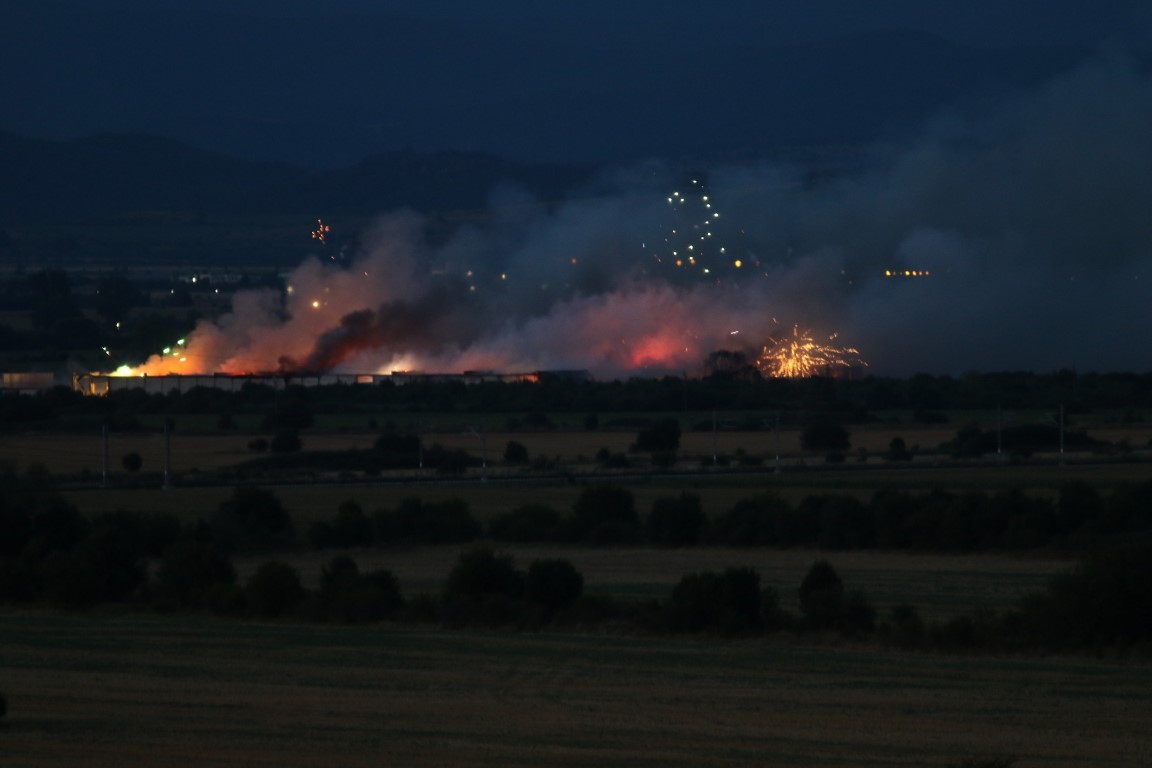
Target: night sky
1002	147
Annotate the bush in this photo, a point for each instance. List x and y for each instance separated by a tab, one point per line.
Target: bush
349	597
606	514
285	442
553	585
530	522
515	453
821	596
483	589
730	602
274	590
676	521
905	628
827	436
191	572
131	462
252	520
414	521
898	451
662	437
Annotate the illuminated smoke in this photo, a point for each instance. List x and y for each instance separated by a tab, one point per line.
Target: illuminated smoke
1032	220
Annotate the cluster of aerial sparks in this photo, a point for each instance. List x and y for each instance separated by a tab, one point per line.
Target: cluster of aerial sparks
799	355
321	232
697	241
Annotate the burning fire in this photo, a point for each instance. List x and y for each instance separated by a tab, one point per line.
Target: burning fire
800	356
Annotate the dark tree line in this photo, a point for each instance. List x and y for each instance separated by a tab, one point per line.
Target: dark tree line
790	402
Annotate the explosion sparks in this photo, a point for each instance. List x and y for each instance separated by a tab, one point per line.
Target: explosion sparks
321	231
801	356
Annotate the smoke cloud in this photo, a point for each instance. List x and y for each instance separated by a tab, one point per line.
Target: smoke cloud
1032	218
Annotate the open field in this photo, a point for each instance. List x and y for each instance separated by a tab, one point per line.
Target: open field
115	690
71	454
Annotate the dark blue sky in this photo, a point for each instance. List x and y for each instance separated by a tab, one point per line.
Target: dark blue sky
599	81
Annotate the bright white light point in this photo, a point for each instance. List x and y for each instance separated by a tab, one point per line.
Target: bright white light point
291	290
704	198
706	270
722	249
183	359
738	263
733	333
472	288
715	215
123	371
167	350
469	273
316	305
504	276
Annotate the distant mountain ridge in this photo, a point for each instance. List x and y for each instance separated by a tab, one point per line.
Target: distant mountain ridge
329	88
109	174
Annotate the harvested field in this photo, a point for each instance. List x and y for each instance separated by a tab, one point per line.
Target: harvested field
173	691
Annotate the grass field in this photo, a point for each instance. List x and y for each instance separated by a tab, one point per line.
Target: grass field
115	690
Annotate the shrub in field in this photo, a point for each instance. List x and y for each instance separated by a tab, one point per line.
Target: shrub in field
606	514
529	522
763	520
552	585
191	572
728	602
515	453
827	436
661	437
414	521
821	596
274	589
483	588
905	628
1105	602
57	524
676	521
397	451
845	522
350	597
285	441
898	450
131	462
351	527
252	520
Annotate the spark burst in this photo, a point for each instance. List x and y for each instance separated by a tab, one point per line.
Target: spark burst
321	231
801	356
697	242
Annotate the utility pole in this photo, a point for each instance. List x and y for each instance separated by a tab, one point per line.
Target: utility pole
167	455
